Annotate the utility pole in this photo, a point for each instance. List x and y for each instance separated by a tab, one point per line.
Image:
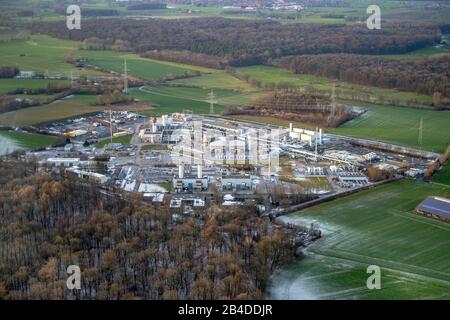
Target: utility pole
211	101
110	124
125	77
419	140
333	100
315	142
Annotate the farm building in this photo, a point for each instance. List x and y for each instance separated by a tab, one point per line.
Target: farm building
435	207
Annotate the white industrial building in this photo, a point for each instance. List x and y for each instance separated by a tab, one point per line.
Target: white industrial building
60	162
92	176
306	136
190	183
237	183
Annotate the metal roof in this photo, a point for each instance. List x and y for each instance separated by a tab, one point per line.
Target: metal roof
436	205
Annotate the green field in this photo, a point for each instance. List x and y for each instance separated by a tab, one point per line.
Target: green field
216	80
57	110
273	75
401	125
14	140
137	66
41	54
61	109
122	139
176	99
360	230
443	175
9	85
154	147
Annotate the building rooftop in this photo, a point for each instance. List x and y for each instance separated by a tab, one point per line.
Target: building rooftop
435	205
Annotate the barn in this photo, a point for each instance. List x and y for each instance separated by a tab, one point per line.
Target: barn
435	207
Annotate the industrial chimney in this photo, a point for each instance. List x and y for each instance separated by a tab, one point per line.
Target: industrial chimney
181	171
199	171
320	136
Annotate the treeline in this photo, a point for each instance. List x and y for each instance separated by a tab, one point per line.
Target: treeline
8	71
187	57
429	76
124	248
296	106
247	42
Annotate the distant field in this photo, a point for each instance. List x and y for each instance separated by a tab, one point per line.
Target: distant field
9	85
421	53
41	54
360	230
137	66
176	99
57	110
344	90
12	140
217	80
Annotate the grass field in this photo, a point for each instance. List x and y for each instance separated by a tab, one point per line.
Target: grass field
176	99
9	85
443	175
13	140
41	54
122	139
137	66
217	80
401	126
360	230
344	90
66	108
153	147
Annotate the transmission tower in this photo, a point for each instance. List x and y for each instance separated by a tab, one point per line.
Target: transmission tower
125	77
211	98
420	138
333	100
110	125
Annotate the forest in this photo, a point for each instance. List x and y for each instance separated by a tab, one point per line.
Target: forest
429	76
247	42
126	249
296	106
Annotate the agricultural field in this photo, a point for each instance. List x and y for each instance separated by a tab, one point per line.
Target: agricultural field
42	54
61	109
443	175
176	99
137	66
358	231
217	80
401	126
268	75
14	140
9	85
